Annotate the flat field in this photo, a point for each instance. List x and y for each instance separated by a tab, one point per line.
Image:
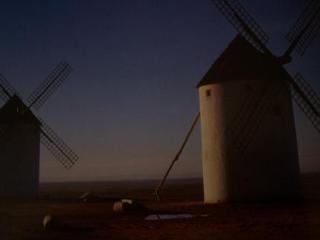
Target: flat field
95	219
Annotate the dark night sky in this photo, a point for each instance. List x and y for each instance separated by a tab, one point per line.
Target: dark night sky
127	105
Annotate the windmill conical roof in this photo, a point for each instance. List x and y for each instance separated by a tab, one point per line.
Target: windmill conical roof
15	111
239	61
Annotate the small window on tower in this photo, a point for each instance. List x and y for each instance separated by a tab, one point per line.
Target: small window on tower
208	92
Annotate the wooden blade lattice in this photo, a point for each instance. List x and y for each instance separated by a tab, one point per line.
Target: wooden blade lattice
313	97
6	90
308	23
49	86
248	119
57	146
243	22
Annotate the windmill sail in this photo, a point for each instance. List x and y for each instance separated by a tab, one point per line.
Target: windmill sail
6	90
247	121
247	27
313	117
308	23
250	116
57	146
48	87
243	22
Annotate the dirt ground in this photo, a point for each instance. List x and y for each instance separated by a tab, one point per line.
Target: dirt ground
96	220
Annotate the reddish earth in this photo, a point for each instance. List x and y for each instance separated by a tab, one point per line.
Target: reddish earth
95	220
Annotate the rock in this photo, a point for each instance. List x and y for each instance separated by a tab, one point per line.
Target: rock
128	205
117	206
90	197
50	222
86	196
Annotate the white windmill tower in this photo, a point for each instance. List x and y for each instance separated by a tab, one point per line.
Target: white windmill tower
249	148
21	133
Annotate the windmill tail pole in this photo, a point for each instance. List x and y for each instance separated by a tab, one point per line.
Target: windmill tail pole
159	187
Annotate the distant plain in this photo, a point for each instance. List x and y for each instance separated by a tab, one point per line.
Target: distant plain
96	220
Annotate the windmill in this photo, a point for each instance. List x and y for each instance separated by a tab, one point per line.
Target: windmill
21	132
249	148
